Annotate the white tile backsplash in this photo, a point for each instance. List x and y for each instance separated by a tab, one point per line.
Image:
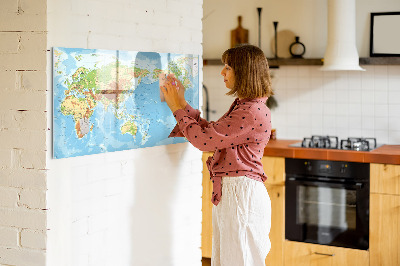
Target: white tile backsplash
329	109
304	82
380	71
367	110
381	83
367	97
381	97
394	110
394	83
381	110
292	82
394	97
354	84
342	123
343	103
342	109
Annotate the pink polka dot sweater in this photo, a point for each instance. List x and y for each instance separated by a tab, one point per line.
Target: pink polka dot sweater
238	139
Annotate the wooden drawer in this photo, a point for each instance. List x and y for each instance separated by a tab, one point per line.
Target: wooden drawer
304	254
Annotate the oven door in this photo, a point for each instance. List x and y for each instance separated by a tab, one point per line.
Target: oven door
327	213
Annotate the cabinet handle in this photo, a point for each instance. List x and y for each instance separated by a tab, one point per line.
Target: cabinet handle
324	254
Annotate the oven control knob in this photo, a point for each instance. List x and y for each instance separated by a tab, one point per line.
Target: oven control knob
308	166
343	168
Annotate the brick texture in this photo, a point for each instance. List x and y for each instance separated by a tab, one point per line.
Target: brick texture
107	195
23	218
33	239
8	197
23	128
33	199
23	178
9	237
18	256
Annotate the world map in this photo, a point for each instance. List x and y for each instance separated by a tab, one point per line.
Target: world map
110	100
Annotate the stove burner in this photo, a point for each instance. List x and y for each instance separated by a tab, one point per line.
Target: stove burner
332	142
328	142
358	144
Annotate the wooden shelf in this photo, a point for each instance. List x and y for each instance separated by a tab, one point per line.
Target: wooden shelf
274	63
380	61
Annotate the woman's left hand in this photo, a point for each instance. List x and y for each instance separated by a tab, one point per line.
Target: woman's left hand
170	90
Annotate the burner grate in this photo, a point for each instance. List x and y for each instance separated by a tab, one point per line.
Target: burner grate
327	142
358	144
332	142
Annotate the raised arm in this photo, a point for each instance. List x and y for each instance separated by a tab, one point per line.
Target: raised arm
237	128
174	93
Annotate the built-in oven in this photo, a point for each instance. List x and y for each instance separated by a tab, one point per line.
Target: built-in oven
327	202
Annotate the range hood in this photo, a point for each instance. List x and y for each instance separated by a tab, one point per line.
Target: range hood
341	51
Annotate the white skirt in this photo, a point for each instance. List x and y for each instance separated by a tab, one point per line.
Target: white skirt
241	223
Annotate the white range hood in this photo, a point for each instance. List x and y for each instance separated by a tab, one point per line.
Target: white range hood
341	51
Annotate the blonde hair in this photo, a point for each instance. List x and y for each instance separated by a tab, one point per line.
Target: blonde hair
250	66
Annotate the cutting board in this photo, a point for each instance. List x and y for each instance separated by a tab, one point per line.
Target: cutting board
239	35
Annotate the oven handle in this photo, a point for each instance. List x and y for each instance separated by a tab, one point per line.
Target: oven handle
357	185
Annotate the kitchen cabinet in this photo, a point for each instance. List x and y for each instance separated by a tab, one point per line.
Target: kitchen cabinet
384	221
277	233
305	254
385	214
206	225
274	168
385	178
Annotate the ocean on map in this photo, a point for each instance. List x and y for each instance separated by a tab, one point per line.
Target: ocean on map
106	101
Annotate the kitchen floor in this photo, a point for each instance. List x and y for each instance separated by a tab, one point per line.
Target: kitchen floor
206	261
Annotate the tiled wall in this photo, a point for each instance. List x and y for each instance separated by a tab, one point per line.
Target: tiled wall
313	102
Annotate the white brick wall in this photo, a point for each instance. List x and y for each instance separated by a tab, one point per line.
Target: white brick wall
135	207
9	197
9	237
33	239
100	206
22	132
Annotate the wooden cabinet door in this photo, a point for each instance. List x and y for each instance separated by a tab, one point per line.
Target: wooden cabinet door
384	236
385	178
274	168
277	233
304	254
206	225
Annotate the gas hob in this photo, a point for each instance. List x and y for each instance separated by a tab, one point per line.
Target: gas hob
332	142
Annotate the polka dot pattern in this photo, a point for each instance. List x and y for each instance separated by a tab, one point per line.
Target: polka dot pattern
238	139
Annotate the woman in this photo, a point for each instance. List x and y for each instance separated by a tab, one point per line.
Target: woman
242	208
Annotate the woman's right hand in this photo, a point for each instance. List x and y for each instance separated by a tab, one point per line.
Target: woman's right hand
171	90
181	91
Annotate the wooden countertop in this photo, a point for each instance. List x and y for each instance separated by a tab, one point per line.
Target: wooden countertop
389	154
